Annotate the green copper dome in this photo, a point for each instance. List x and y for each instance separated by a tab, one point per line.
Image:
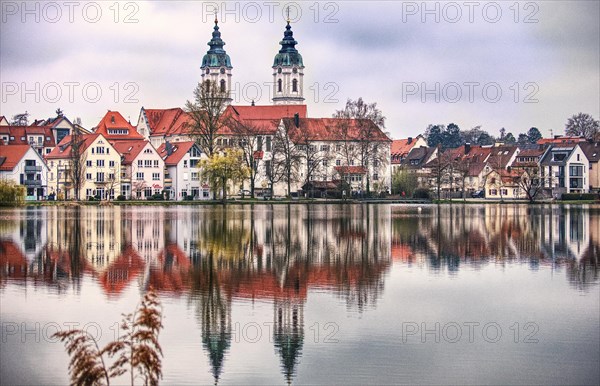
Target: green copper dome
288	54
216	55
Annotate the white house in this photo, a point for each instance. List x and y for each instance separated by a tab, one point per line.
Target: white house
25	166
102	170
565	169
142	169
183	173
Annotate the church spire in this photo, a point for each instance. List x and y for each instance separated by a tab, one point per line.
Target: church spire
216	64
288	70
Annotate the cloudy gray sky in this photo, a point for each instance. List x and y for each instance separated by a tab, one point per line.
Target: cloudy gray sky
495	64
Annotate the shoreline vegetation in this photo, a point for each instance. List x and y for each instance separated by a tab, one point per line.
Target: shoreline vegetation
280	201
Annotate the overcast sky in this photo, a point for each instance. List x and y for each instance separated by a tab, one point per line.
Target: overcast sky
494	64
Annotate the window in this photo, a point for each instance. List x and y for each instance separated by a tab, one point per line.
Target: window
375	177
99	150
88	163
88	176
279	85
325	163
223	85
324	147
111	164
185	176
100	177
259	143
338	162
195	176
139	176
268	147
185	164
140	163
155	176
111	176
100	163
155	163
148	163
295	85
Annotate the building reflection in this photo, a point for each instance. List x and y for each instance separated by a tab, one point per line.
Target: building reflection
442	238
216	255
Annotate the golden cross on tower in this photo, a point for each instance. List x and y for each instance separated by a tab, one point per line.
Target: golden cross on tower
288	14
216	20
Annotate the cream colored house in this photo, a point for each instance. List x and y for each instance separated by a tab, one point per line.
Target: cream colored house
101	169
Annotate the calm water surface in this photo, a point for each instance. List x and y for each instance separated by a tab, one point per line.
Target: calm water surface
494	294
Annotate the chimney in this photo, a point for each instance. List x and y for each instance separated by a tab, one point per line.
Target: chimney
467	148
297	120
409	140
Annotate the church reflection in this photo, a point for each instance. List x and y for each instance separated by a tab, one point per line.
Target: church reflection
216	256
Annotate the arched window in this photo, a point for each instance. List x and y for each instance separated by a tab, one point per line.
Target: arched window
295	85
223	86
279	85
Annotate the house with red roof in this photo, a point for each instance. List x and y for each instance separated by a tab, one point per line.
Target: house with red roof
114	127
354	150
25	166
183	177
401	147
41	138
102	168
142	168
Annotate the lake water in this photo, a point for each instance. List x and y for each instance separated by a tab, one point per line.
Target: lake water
305	294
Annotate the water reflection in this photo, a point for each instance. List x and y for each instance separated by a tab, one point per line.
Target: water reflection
217	255
446	237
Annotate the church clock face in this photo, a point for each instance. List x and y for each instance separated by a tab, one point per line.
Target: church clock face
207	70
295	70
222	70
279	70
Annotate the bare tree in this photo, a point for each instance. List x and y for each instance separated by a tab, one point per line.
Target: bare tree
369	124
315	159
439	170
207	115
77	162
20	119
583	125
246	134
286	158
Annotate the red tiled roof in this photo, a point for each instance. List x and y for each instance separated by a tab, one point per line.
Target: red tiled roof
267	112
350	169
10	155
19	132
558	140
179	151
167	122
63	150
114	120
401	147
332	129
129	149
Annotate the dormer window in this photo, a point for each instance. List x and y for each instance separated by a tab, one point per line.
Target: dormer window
112	119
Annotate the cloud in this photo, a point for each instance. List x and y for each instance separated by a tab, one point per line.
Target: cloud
365	49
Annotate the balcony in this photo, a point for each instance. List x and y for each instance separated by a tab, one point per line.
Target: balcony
32	183
33	169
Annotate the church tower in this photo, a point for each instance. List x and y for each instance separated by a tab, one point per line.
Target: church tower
216	65
288	72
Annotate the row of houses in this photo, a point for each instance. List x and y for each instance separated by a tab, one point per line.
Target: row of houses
161	156
551	167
